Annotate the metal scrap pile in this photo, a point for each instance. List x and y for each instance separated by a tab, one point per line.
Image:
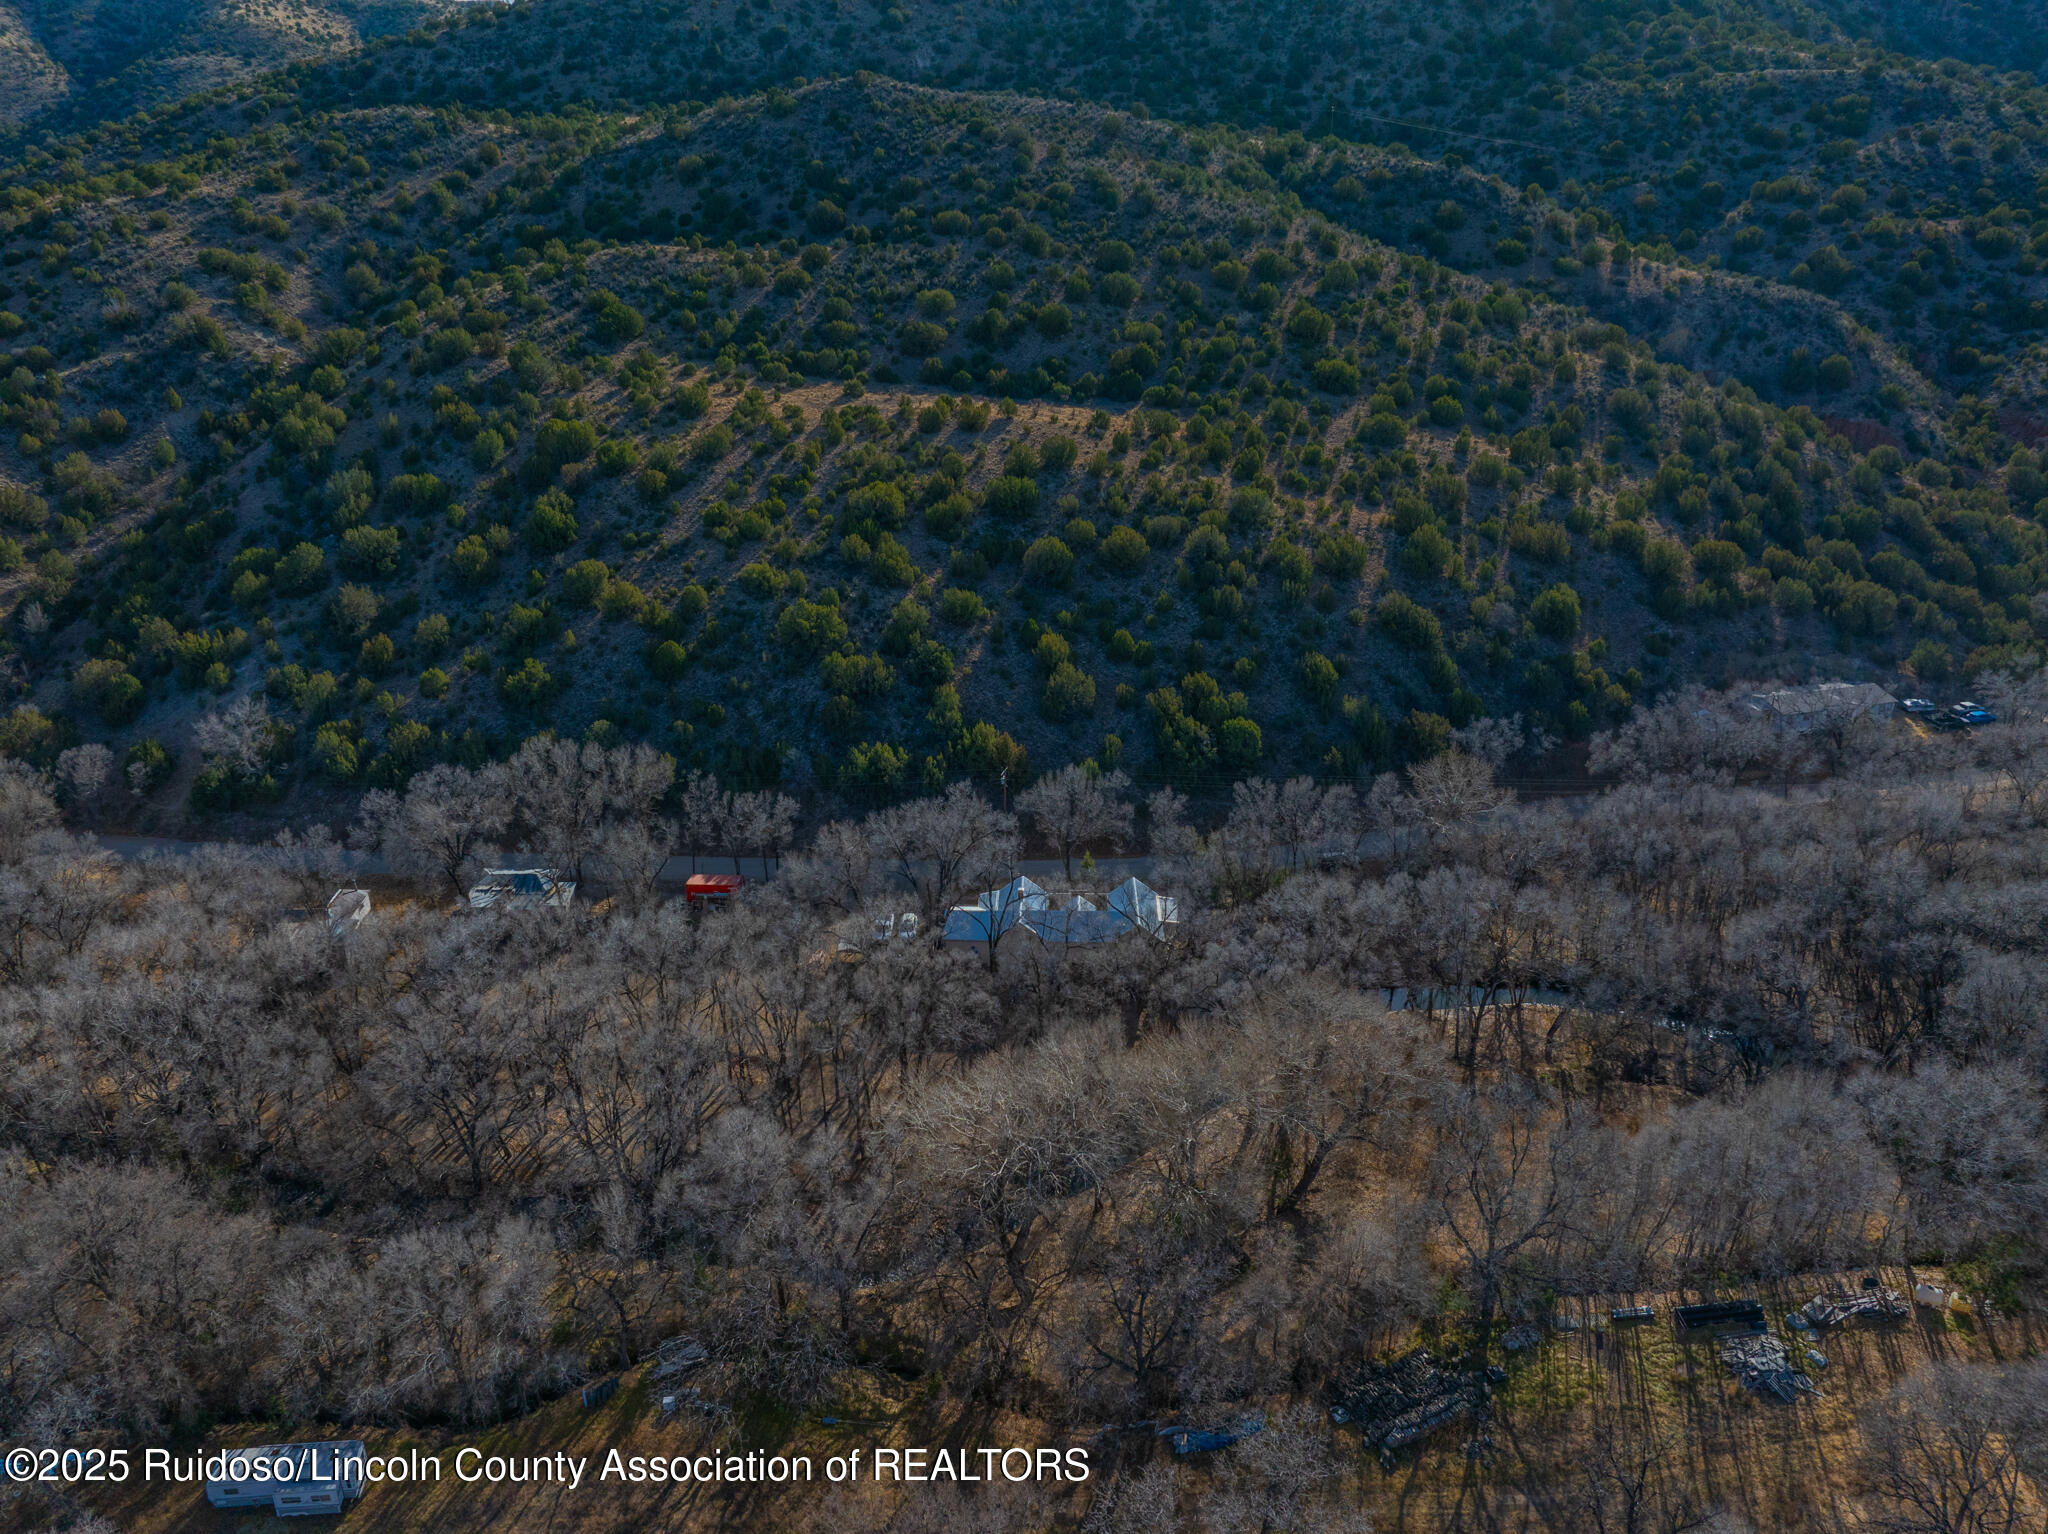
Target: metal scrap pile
1398	1403
677	1357
1834	1309
1761	1364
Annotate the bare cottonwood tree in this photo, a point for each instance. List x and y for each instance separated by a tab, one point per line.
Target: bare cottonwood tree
1943	1455
1075	806
443	822
567	794
237	735
943	847
84	771
27	812
1454	787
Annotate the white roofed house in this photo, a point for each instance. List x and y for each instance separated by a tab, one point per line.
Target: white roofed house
1022	905
994	915
347	909
520	889
1145	908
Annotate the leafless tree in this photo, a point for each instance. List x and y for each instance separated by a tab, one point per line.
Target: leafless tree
27	812
713	817
1454	787
237	735
943	847
631	855
567	794
85	771
1495	741
446	818
1942	1454
1500	1181
1289	825
1693	736
1620	1482
1074	806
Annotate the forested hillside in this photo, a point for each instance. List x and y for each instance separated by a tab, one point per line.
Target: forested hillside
69	65
860	434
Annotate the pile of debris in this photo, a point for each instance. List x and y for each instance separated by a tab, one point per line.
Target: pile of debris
1398	1403
1722	1316
668	1364
677	1357
1196	1440
1762	1365
1834	1309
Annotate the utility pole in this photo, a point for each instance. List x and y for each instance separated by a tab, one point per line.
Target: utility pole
1004	779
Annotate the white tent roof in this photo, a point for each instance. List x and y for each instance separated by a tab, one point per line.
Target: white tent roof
1022	903
1144	907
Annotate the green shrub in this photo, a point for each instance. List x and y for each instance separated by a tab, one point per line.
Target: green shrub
930	664
1664	562
1427	553
1340	556
370	551
865	677
584	582
528	685
1547	541
1011	497
1123	551
1555	612
1239	745
473	560
1049	561
876	764
948	516
1715	559
712	443
551	527
668	660
1408	623
1334	375
1632	411
1119	289
760	579
1930	660
154	759
1318	677
1069	693
21	508
878	505
1792	596
110	688
809	628
957	605
614	320
560	443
